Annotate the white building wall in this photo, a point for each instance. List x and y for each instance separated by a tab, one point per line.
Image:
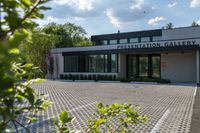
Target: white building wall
179	67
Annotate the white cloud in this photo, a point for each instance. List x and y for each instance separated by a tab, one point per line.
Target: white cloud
113	19
121	16
51	19
172	4
137	4
77	4
156	20
194	3
198	22
116	10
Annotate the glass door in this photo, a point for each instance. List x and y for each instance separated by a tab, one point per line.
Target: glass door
132	66
143	66
155	60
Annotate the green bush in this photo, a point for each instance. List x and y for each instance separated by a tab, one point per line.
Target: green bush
81	77
125	79
89	77
61	76
125	115
114	77
164	81
70	76
85	77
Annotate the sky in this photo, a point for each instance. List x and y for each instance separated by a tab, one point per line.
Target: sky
109	16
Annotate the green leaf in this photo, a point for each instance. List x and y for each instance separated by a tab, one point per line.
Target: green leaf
32	118
64	117
27	3
18	37
14	51
55	121
44	8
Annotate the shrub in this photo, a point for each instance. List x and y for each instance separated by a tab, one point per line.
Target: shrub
99	77
81	77
89	77
70	76
61	76
125	80
164	81
125	116
114	77
85	77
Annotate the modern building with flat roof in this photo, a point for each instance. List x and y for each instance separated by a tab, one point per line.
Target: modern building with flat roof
162	53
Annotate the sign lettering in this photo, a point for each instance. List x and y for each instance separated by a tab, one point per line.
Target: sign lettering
159	44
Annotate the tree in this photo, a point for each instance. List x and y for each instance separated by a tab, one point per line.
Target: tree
195	24
37	51
69	34
51	36
17	98
169	25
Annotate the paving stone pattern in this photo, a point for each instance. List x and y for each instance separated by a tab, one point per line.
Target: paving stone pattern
80	98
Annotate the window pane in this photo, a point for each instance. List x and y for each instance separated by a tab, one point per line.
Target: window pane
104	42
123	41
132	67
113	41
92	63
156	66
71	64
134	40
157	38
106	63
145	39
143	67
113	63
100	63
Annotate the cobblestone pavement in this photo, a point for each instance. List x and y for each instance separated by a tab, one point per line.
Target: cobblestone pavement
169	107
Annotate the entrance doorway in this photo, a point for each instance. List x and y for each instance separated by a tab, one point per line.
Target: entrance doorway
143	66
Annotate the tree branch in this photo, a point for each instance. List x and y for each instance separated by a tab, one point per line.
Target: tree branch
22	126
25	16
15	126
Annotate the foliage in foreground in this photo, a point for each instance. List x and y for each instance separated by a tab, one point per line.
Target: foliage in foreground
17	98
125	115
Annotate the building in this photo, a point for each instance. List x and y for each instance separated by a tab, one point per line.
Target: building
162	53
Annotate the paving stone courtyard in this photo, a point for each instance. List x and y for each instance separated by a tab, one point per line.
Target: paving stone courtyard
169	107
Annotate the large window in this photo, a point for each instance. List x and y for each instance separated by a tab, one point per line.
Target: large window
155	66
71	63
113	63
91	63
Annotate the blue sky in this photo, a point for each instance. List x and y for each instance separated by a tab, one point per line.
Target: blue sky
109	16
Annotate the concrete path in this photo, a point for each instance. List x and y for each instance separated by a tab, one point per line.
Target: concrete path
169	107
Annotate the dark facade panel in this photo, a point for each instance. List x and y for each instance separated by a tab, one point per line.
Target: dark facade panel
148	33
134	50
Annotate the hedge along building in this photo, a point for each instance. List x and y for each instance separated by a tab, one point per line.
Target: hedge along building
162	53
